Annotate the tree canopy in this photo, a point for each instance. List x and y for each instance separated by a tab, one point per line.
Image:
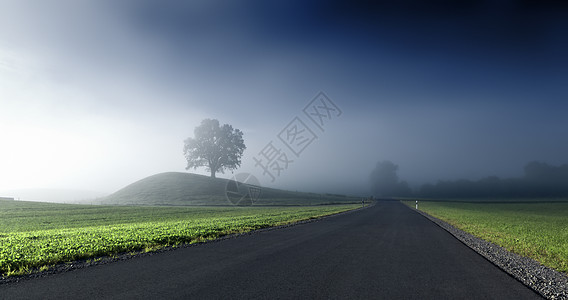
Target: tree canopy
218	148
385	181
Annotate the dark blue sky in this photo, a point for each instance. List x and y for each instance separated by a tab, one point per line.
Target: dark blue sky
444	89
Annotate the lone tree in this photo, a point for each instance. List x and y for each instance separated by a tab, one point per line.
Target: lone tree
216	147
385	182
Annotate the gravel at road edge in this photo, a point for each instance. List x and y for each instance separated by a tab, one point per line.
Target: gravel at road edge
547	282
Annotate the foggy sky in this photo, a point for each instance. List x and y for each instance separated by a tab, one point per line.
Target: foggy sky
97	94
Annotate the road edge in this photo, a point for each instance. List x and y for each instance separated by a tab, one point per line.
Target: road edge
545	281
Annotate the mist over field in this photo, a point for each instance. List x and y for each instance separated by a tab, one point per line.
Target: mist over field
95	95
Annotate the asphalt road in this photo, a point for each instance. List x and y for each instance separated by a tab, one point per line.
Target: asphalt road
385	252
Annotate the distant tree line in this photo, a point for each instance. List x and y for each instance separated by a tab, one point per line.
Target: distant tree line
540	180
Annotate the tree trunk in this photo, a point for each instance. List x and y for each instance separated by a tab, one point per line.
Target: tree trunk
212	173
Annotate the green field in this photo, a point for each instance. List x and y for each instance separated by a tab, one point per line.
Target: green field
535	230
36	235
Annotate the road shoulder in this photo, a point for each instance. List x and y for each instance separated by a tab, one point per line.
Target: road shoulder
547	282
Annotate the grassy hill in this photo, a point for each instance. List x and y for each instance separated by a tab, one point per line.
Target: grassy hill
175	188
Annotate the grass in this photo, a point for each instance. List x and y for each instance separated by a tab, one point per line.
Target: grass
535	230
34	236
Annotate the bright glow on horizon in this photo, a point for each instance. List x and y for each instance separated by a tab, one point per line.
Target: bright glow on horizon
33	157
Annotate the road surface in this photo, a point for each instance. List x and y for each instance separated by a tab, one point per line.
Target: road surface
384	252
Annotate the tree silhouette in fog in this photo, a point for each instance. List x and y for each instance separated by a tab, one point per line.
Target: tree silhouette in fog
215	147
539	180
385	181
